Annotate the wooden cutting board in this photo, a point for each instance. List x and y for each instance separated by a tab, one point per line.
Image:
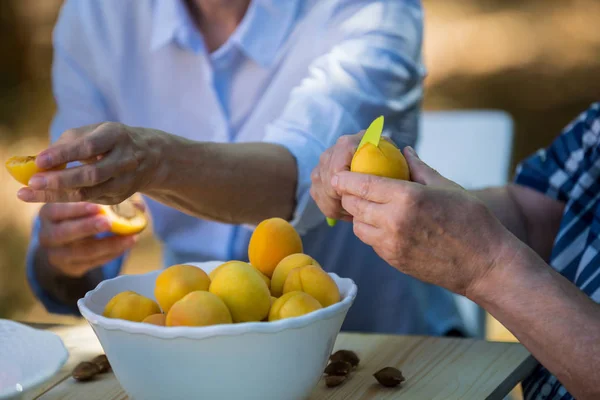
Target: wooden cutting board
435	368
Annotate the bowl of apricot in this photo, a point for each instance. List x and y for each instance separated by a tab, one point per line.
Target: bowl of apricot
262	329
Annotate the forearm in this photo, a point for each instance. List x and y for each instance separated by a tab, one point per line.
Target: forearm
63	289
557	322
234	183
505	208
531	216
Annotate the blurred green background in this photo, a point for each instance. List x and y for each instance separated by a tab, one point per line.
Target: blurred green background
539	60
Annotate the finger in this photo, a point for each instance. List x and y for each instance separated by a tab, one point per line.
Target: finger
86	175
340	160
58	234
92	249
59	212
89	254
331	208
29	195
363	210
88	142
75	133
113	191
324	165
368	187
367	234
80	269
421	172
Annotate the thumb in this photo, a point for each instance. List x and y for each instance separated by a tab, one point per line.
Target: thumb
421	172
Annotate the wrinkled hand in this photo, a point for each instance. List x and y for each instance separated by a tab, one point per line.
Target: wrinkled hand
118	161
67	237
431	228
333	160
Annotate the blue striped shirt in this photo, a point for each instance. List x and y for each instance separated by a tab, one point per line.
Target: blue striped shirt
569	171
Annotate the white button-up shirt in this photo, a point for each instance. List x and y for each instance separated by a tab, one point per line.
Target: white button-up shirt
296	73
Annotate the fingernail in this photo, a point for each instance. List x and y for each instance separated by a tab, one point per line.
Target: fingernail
412	151
37	182
25	194
102	225
335	180
44	161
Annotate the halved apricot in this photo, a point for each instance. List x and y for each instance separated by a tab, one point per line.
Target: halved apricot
22	168
125	218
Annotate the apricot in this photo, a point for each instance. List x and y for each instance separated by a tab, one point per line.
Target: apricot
243	291
130	306
214	272
285	266
198	308
124	218
293	304
155	319
272	241
385	160
264	278
176	281
22	168
314	281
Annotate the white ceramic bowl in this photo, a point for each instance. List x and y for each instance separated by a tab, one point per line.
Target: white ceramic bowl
28	358
277	360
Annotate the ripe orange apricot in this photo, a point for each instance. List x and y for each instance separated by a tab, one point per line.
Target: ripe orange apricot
155	319
22	168
215	271
177	281
130	306
243	291
198	308
284	267
385	160
313	280
293	304
125	218
272	240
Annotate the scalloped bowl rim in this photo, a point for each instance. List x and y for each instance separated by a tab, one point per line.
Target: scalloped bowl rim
203	332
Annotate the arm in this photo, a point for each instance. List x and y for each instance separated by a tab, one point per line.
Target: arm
238	183
373	69
530	215
557	322
437	232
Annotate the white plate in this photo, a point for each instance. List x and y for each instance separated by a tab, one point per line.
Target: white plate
28	358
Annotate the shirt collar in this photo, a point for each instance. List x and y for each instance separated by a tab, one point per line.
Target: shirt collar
168	16
259	36
264	29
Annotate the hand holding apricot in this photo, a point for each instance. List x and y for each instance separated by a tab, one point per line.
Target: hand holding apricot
431	229
118	161
67	238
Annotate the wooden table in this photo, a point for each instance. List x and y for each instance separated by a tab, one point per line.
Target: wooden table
435	368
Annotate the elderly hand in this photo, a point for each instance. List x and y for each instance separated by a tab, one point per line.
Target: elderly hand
335	159
431	228
118	161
